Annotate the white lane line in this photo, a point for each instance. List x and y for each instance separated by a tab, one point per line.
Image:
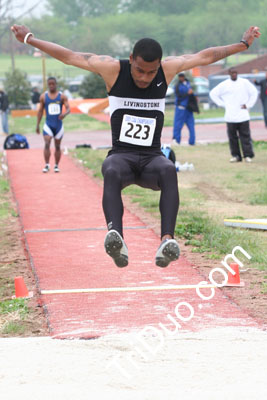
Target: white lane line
126	289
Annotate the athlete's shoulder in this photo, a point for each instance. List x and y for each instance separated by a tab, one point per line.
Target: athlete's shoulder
42	96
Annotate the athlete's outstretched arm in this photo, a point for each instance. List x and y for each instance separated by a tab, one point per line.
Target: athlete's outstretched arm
174	65
105	66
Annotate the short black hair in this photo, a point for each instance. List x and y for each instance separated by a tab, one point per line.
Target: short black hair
52	78
181	74
232	69
148	49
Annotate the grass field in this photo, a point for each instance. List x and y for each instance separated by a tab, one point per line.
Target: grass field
73	122
33	66
204	114
12	312
210	193
76	122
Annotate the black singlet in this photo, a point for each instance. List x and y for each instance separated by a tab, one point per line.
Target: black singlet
137	115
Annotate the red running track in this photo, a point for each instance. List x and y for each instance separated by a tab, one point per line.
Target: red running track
64	228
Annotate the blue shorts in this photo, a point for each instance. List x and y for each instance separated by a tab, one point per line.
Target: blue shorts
56	132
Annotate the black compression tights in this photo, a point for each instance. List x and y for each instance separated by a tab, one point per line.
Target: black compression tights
149	171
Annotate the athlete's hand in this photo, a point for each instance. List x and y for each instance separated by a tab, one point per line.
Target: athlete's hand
244	107
38	130
20	31
252	33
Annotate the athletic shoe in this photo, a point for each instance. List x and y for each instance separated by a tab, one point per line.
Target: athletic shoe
46	168
116	248
234	159
167	252
248	159
56	169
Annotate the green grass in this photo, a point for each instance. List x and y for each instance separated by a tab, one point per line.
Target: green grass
239	58
4	186
5	208
213	191
264	287
204	114
260	197
9	306
33	66
13	328
192	224
213	113
76	122
6	283
73	122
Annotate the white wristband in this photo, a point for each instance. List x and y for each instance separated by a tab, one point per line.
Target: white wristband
27	36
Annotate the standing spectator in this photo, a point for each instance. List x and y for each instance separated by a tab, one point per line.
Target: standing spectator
236	95
263	95
35	98
4	110
182	114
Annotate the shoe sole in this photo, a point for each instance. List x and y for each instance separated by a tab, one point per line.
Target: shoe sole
113	245
171	253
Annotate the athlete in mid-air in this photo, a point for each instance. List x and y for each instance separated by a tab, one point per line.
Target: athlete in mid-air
52	101
136	89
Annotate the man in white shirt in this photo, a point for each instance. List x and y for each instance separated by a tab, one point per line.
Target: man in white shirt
236	95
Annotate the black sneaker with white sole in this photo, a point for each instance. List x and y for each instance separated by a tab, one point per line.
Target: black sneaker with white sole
167	252
56	169
116	248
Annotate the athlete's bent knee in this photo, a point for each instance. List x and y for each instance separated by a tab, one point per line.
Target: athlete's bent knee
111	174
168	170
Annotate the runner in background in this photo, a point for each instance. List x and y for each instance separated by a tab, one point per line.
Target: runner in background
52	102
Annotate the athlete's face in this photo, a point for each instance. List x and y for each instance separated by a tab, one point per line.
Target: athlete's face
143	72
52	86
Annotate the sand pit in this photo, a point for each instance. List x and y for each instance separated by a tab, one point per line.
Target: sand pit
223	363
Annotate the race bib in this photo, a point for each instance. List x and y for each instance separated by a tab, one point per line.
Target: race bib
137	130
53	109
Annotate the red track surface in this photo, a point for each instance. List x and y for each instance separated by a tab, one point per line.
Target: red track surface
64	228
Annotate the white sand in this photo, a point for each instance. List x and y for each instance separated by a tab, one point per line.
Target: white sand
223	363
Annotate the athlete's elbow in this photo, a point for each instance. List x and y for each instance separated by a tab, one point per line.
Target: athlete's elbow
206	60
68	58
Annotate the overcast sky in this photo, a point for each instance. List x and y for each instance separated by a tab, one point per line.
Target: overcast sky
20	6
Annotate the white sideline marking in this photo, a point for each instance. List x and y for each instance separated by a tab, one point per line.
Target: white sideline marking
126	289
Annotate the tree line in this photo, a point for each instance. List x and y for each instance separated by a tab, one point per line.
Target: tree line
181	26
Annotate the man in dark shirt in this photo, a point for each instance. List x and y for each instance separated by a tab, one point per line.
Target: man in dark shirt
35	98
263	95
4	110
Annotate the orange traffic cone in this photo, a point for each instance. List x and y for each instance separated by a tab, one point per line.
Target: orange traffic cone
21	288
234	280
